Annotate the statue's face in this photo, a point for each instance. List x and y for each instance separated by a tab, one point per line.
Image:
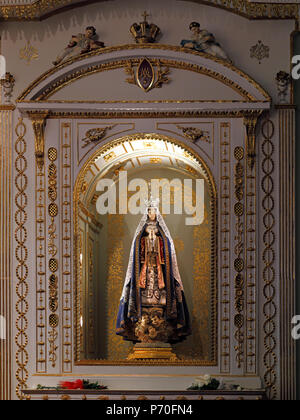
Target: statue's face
196	30
145	319
152	332
155	320
152	214
89	33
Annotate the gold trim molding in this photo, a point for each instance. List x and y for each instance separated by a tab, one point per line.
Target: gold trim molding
270	309
42	9
6	258
21	255
146	114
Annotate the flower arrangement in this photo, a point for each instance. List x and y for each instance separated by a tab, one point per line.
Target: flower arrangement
205	383
74	385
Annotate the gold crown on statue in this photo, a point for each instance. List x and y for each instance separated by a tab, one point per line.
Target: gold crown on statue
145	33
152	203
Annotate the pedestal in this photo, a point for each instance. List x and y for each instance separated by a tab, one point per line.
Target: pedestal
154	351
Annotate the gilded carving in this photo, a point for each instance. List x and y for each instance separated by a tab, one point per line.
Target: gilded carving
239	263
41	309
259	51
7	274
109	156
251	266
265	10
250	122
95	135
149	74
28	53
225	251
144	32
53	250
21	254
147	114
268	260
194	134
39	125
66	235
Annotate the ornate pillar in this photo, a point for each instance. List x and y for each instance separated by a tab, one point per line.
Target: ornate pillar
286	121
6	113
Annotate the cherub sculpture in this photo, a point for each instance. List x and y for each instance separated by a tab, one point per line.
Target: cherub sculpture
283	81
80	44
204	41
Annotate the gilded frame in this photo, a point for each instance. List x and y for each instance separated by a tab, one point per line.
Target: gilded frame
214	257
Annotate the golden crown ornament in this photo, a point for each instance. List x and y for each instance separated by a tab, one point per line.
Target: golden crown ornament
145	33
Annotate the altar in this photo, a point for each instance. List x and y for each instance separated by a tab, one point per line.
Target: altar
146	396
148	206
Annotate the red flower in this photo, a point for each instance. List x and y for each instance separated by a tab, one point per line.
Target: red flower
72	385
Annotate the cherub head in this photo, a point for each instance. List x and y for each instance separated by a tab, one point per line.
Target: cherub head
90	32
156	317
152	333
145	319
156	320
195	27
283	79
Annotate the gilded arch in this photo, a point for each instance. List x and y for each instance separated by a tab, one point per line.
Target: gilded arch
111	58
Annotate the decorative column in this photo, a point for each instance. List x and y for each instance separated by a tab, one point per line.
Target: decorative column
249	214
6	113
286	121
39	124
21	262
269	255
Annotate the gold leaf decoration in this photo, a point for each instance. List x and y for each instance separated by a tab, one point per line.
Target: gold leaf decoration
29	53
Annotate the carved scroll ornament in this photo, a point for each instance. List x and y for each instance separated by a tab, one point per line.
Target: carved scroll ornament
39	125
250	122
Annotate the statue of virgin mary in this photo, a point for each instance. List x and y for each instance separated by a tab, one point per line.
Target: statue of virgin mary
153	308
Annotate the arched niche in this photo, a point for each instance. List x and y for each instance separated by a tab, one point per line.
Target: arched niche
102	245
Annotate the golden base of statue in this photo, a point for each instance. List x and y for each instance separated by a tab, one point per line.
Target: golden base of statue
153	351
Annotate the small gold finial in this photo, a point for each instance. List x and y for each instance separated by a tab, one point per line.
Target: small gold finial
145	16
